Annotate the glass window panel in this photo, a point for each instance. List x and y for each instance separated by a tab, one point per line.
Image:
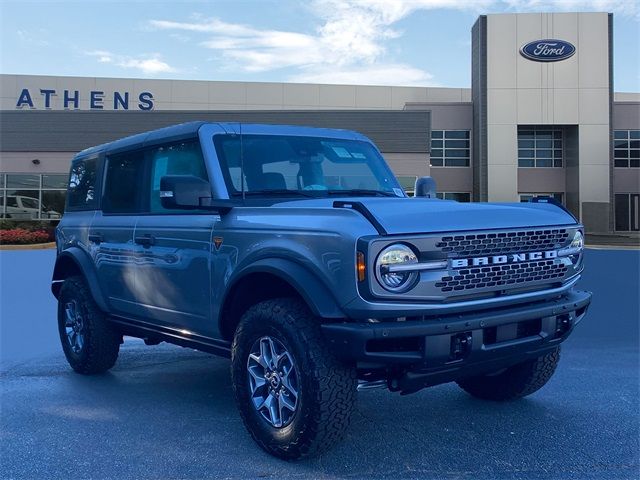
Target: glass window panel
457	153
1	180
23	181
2	193
436	162
526	153
440	195
457	143
634	144
544	144
525	162
634	162
53	203
621	163
544	135
525	143
620	153
621	144
124	176
543	153
458	196
543	162
620	134
54	181
634	153
436	133
457	162
635	134
557	144
82	182
436	143
557	162
622	211
557	153
23	204
557	134
456	134
526	134
436	153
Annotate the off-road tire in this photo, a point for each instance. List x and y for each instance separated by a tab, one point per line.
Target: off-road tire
101	340
515	382
328	388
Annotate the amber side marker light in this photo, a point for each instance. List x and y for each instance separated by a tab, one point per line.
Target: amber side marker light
360	266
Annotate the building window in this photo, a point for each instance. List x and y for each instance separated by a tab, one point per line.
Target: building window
450	148
626	145
457	196
32	196
539	147
626	212
527	197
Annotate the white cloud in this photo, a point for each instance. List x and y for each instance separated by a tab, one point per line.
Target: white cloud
349	44
150	64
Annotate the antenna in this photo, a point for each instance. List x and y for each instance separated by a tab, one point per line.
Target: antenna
241	163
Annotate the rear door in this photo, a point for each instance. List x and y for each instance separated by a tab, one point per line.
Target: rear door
112	229
174	247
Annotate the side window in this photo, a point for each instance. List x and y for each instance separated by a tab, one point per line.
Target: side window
183	158
82	185
123	183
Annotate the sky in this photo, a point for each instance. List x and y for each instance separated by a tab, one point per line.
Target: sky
377	42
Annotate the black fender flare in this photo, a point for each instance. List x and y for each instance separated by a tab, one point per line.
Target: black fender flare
85	265
313	291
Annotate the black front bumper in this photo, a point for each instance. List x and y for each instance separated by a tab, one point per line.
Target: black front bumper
439	349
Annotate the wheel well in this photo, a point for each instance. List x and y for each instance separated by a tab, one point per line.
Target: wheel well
248	291
65	267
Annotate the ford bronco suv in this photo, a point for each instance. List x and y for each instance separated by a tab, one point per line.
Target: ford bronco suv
295	252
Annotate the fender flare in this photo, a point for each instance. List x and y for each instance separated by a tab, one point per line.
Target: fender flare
312	290
85	265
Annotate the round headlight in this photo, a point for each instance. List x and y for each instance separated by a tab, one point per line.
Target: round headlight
578	241
391	268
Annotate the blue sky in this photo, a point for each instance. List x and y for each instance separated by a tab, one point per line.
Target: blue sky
387	42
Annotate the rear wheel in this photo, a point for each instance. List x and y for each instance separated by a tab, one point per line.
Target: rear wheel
90	343
515	382
294	396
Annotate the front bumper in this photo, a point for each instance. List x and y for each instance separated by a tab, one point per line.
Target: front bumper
442	348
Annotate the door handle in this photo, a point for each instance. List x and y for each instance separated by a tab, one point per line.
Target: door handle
145	240
96	238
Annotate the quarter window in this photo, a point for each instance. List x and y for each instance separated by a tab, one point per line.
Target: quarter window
626	148
450	148
82	185
539	147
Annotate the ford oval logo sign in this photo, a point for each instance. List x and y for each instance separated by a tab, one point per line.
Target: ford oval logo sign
547	50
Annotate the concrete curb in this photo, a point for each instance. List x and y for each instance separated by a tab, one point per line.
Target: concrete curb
35	246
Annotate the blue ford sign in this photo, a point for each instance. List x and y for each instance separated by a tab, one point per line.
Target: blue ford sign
547	50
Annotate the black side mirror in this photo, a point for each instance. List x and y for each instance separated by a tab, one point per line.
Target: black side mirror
190	192
425	187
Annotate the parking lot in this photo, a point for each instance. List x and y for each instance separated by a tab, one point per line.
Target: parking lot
168	412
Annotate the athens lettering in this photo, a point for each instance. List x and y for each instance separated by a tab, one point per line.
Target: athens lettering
52	99
503	259
547	50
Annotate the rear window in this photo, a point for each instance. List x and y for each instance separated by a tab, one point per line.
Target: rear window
81	194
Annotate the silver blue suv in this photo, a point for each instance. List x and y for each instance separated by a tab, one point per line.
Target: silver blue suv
295	252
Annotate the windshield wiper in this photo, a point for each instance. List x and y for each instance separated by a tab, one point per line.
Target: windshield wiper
275	192
363	192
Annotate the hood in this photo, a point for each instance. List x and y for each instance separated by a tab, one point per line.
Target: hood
424	215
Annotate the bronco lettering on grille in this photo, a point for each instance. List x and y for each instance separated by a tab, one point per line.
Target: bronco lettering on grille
502	259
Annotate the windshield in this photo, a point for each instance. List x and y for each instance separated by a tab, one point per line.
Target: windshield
309	166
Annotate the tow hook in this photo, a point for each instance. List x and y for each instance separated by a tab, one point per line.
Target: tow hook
460	346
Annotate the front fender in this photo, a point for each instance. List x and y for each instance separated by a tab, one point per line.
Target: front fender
74	260
315	293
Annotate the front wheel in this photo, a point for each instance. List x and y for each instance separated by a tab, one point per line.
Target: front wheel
294	396
515	382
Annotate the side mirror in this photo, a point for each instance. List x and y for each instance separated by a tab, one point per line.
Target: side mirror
190	192
425	187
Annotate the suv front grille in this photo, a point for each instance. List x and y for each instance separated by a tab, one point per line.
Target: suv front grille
482	244
517	273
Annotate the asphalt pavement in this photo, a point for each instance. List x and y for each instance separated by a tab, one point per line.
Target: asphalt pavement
168	412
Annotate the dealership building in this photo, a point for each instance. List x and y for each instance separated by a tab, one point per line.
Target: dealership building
541	118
